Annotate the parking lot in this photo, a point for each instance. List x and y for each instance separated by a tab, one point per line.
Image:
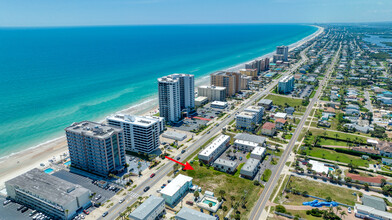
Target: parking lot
203	116
101	194
10	211
238	156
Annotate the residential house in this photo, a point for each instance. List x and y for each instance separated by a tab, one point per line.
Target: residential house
268	129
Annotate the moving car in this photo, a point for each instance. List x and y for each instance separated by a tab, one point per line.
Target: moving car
146	189
105	214
152	175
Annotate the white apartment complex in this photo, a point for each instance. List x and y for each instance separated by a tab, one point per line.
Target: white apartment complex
213	93
245	145
258	110
215	149
246	121
152	208
141	134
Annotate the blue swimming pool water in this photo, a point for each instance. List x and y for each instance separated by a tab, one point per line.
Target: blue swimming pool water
49	170
67	163
206	201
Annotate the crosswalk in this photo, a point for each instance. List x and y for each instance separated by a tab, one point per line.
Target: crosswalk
134	195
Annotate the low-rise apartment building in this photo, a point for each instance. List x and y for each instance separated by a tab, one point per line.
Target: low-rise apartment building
215	149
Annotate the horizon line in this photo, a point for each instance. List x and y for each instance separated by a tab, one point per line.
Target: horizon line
188	24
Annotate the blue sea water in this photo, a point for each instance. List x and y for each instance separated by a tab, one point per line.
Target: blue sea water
51	77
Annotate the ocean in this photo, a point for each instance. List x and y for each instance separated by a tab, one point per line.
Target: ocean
51	77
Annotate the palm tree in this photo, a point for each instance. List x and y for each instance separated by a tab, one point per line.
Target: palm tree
222	193
342	213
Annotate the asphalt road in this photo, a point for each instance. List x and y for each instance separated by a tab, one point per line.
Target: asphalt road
115	210
269	187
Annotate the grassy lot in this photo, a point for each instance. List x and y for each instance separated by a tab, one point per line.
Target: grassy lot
342	136
321	190
281	100
266	175
302	214
235	187
339	157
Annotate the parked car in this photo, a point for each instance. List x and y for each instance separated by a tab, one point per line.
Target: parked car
189	202
146	189
86	212
6	202
24	209
105	214
20	207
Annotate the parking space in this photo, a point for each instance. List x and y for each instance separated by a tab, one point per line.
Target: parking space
9	211
102	192
203	116
233	154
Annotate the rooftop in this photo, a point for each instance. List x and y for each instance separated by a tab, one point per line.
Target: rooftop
141	121
268	125
176	184
247	143
47	187
246	115
250	137
93	129
258	151
191	214
225	162
147	207
250	165
373	211
374	202
265	102
214	145
213	87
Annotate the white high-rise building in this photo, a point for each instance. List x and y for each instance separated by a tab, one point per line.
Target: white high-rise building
169	98
141	133
187	90
283	50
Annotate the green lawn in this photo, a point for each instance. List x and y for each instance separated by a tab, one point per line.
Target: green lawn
342	136
339	157
282	100
321	190
210	179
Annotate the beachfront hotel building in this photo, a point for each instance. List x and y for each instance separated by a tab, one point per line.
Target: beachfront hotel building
258	64
141	133
215	149
55	197
169	99
176	94
230	80
286	85
213	93
245	81
249	72
96	148
283	50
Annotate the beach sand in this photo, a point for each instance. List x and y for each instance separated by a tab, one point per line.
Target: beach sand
26	160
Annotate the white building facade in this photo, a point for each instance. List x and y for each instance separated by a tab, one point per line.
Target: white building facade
215	149
141	134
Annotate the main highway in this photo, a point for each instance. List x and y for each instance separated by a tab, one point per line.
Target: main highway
269	187
115	210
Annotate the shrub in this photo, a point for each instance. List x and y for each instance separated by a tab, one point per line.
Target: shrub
280	208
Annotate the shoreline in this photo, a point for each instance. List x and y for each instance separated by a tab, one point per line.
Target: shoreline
19	162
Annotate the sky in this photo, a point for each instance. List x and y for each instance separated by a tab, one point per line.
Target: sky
140	12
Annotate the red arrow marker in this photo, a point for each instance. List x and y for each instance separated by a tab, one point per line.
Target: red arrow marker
187	166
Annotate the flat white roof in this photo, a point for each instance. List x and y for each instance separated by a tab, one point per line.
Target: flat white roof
141	121
247	143
201	98
280	115
218	103
258	151
176	185
371	141
213	87
254	108
214	145
246	115
319	167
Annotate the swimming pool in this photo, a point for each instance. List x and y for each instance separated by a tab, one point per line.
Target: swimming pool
331	169
67	163
206	201
49	170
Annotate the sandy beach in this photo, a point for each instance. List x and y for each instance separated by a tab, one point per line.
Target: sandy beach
23	161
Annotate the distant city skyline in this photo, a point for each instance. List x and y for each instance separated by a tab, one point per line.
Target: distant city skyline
146	12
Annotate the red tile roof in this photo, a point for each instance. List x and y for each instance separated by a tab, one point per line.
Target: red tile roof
268	125
376	179
281	120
